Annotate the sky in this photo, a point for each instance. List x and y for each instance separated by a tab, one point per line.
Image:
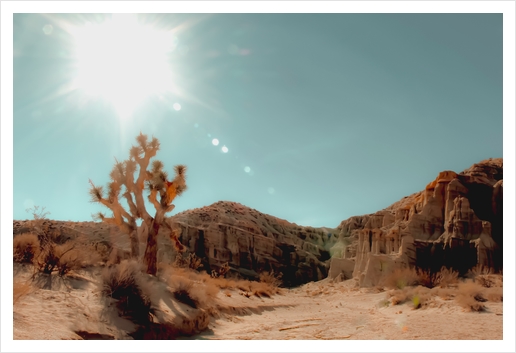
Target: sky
312	118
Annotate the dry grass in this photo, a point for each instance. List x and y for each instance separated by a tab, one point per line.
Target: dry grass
192	288
271	278
400	278
125	283
407	277
191	261
486	277
62	258
471	296
419	296
26	247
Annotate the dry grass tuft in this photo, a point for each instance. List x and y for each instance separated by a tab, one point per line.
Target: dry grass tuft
400	278
191	288
470	296
62	258
419	296
126	284
271	278
26	248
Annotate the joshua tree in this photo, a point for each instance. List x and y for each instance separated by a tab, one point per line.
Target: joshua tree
157	184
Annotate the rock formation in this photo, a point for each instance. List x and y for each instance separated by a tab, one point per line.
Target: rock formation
253	242
456	221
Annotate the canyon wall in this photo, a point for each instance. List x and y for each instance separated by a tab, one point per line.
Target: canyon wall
456	221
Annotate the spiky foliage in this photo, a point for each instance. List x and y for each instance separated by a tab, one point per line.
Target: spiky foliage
127	179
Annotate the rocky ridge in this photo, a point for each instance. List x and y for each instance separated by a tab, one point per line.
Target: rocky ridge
456	221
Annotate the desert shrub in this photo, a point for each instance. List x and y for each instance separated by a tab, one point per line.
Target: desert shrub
60	258
418	296
126	284
271	278
71	258
193	289
191	261
400	278
427	278
261	289
446	277
443	278
485	276
26	247
221	271
470	295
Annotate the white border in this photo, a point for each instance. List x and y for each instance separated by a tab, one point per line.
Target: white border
505	7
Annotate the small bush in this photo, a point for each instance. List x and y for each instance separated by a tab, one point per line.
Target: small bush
271	278
419	296
400	278
443	278
191	261
126	284
60	258
446	277
26	248
470	296
193	289
221	272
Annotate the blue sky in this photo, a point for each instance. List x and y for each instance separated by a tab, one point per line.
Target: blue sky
324	116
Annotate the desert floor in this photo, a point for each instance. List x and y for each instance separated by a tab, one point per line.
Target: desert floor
321	310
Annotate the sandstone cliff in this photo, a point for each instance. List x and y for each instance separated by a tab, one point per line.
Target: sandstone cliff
456	221
253	242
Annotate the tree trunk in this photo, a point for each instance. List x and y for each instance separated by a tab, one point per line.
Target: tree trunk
135	244
151	251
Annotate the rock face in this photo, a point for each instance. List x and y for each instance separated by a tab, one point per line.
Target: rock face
456	221
253	242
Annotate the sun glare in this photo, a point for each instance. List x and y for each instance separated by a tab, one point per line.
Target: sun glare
123	61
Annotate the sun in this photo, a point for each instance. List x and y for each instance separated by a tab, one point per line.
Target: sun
123	61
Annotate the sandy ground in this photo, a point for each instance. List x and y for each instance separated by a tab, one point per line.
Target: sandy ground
315	311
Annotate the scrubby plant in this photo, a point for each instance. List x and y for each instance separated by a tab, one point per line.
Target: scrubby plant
400	278
58	258
42	227
443	278
271	278
190	261
221	271
125	283
26	247
471	296
161	192
485	276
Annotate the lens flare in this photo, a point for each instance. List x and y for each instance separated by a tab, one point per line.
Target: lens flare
122	61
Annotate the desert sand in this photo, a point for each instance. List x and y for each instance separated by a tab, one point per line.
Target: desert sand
321	310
